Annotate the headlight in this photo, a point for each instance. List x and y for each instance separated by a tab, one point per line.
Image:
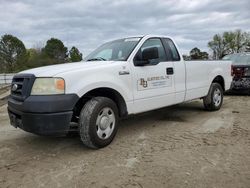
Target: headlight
48	86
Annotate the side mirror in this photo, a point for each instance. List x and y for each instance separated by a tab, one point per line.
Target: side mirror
150	53
147	55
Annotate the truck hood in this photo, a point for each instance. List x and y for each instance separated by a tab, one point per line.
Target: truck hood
53	70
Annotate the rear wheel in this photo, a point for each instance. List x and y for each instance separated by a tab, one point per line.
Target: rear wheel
98	122
214	99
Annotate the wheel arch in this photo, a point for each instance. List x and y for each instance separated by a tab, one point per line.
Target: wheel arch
220	80
102	92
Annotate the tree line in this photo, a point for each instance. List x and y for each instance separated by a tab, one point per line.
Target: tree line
228	42
14	56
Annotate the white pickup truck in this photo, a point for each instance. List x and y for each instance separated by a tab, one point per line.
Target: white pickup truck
122	77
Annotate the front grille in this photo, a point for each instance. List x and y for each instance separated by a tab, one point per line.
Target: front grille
21	86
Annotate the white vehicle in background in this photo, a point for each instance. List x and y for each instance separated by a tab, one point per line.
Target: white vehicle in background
122	77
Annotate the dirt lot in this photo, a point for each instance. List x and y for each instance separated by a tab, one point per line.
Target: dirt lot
180	146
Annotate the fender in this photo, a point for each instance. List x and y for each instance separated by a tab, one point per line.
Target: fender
85	80
214	73
91	82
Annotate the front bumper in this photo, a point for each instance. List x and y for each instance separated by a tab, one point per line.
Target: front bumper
43	115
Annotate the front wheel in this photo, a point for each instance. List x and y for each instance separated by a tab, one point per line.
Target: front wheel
214	99
98	122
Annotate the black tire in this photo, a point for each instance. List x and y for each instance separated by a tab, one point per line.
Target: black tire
209	102
88	127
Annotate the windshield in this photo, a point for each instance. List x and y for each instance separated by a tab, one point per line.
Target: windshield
118	50
240	59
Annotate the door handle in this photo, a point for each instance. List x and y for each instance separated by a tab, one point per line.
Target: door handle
123	72
170	71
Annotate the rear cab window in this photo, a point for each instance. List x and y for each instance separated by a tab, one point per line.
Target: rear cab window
171	50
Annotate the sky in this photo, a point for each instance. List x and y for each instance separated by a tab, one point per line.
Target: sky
87	24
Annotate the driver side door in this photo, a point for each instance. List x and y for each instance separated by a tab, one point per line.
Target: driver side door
153	80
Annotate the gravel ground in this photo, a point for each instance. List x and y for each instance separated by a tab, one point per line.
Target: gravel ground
179	146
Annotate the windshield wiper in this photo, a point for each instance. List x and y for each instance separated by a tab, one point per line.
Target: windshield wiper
97	59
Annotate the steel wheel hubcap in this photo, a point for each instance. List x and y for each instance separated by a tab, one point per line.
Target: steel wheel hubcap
105	123
217	97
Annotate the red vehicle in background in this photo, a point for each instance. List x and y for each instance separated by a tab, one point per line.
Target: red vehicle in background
240	71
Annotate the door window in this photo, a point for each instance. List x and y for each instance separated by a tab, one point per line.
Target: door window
152	43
